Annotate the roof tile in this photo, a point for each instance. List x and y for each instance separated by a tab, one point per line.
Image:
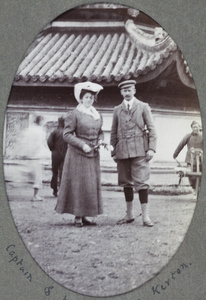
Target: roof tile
68	56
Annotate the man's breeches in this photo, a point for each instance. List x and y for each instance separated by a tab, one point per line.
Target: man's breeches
133	172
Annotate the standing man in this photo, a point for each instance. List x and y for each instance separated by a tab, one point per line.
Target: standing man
58	147
133	143
193	141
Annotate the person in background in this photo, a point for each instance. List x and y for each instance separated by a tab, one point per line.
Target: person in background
132	149
80	190
33	150
191	140
58	147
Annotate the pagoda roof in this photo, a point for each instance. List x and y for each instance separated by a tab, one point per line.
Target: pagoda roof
104	52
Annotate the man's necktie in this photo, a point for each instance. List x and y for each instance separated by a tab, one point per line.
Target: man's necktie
128	107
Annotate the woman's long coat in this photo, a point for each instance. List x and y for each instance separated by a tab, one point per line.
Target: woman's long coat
80	190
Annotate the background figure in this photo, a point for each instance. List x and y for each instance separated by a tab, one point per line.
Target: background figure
80	190
191	140
58	147
32	150
132	149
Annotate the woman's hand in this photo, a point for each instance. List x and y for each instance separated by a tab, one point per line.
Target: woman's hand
86	148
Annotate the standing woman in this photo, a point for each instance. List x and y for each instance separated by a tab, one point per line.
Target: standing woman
80	190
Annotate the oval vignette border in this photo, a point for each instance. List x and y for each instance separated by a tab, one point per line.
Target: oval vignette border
190	17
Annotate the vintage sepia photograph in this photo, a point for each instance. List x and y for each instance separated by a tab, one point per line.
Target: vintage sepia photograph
103	149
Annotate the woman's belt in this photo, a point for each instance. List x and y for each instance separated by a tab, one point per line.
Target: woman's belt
92	143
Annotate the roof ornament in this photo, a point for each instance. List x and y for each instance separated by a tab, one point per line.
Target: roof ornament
159	34
133	12
157	40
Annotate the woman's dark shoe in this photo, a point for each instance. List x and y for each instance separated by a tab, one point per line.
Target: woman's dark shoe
88	221
78	222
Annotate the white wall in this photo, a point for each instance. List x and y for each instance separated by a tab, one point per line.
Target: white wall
171	127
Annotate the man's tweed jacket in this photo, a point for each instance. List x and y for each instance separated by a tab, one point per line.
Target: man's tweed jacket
127	130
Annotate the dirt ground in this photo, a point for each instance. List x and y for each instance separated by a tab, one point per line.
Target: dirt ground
106	259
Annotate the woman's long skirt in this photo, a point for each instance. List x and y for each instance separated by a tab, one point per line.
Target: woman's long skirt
80	189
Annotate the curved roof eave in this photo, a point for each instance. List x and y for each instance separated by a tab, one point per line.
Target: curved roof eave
65	57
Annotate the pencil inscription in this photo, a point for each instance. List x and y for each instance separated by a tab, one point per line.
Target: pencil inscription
159	288
13	258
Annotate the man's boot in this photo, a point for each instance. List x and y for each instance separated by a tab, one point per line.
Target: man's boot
129	195
145	215
129	218
143	197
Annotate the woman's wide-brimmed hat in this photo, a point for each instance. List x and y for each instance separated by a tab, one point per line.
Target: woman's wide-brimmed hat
89	86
